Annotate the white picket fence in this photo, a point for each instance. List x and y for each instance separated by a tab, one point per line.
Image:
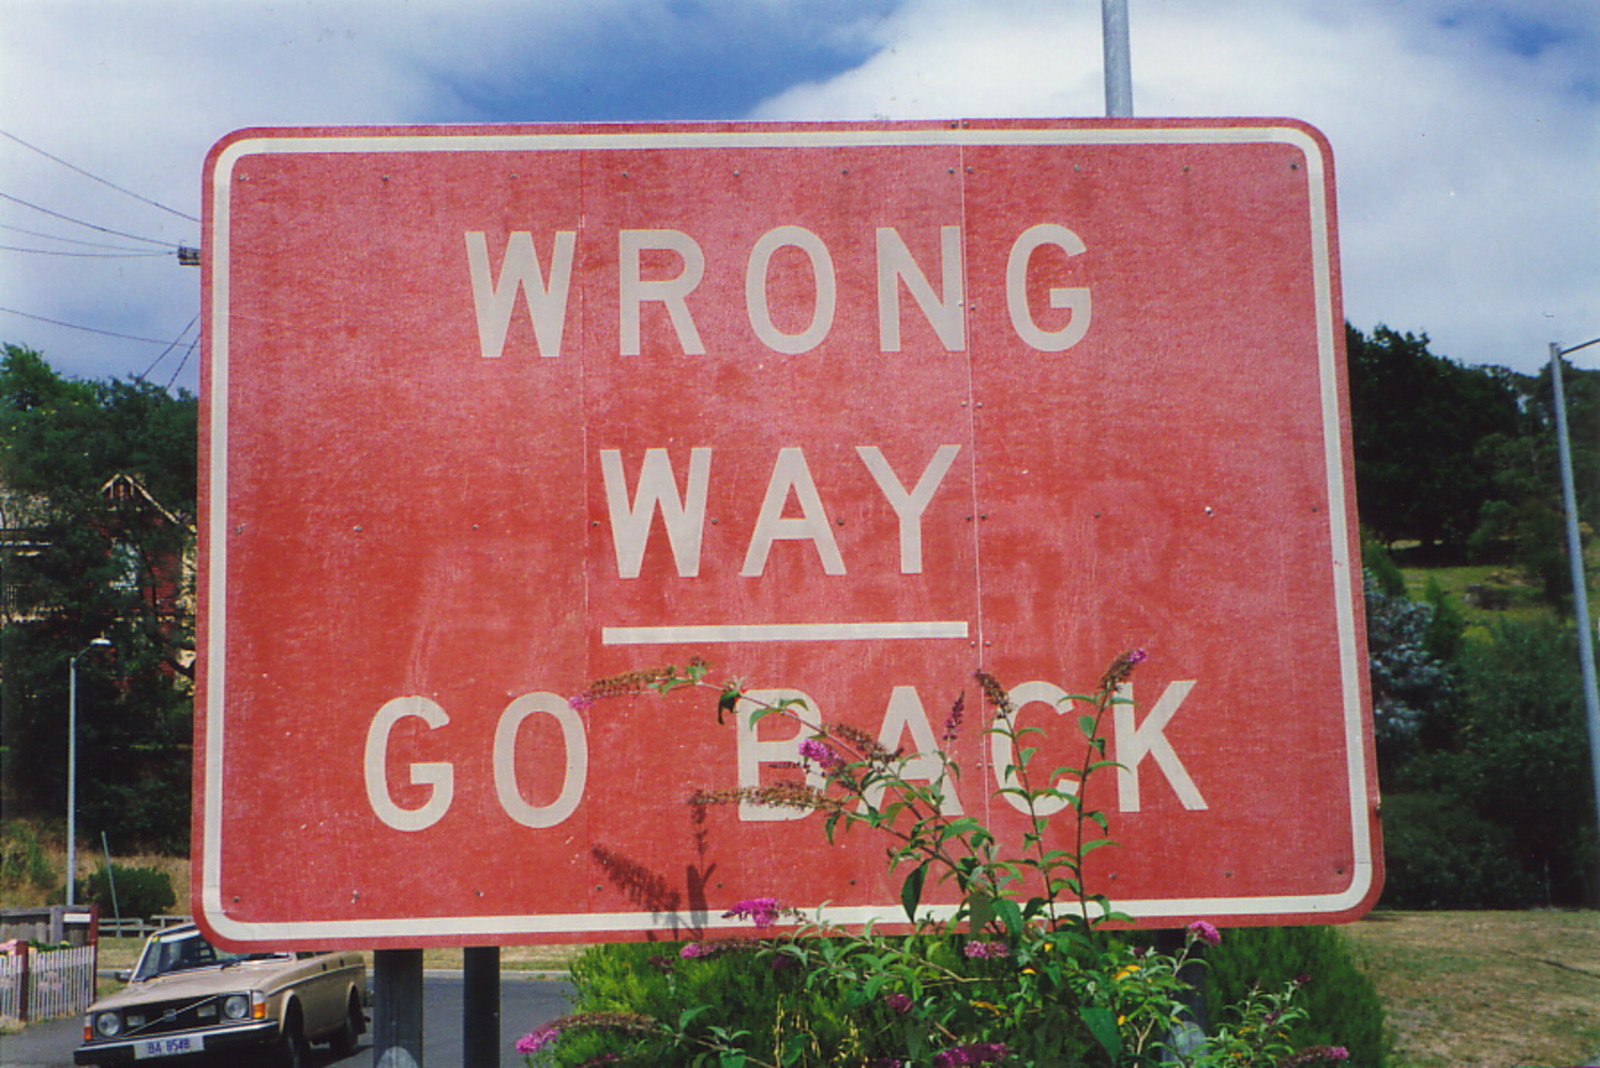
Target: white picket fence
46	984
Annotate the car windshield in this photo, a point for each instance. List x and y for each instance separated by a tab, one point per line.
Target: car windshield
185	951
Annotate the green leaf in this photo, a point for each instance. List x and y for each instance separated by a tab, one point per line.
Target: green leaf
911	890
980	911
727	702
1011	914
762	712
1102	1024
964	825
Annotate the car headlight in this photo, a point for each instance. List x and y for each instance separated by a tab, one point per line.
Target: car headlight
108	1024
236	1006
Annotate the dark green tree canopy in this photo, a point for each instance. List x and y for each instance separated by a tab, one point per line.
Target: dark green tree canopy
1424	428
79	563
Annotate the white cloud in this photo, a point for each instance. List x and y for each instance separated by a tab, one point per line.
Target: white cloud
1467	136
1467	169
137	91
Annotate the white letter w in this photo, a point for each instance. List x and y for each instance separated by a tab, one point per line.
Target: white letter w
547	305
684	517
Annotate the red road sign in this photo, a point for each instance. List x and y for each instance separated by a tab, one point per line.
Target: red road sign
849	411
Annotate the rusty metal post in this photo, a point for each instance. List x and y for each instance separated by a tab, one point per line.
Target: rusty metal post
397	1008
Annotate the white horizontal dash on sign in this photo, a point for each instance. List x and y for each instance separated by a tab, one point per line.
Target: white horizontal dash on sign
783	632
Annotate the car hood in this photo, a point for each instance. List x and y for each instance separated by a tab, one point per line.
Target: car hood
198	983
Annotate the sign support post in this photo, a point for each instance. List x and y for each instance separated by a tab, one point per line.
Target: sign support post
480	1008
397	1008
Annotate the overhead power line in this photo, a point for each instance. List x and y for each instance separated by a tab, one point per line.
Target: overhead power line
90	225
73	240
97	178
86	255
166	351
185	361
86	329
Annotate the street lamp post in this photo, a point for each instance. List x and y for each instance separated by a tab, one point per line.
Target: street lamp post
1580	593
72	767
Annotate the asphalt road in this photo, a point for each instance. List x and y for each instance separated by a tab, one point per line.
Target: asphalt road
524	1004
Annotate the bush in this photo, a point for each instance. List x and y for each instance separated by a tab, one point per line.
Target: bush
1439	854
772	1005
652	980
22	859
1342	1004
142	892
1037	982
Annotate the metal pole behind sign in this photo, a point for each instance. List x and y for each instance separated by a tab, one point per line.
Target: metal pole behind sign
397	1008
72	780
1119	65
111	877
1580	592
480	1007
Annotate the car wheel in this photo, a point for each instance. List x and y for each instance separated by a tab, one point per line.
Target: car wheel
348	1037
291	1050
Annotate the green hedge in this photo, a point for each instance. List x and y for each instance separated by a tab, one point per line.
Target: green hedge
744	992
142	892
1342	1002
739	990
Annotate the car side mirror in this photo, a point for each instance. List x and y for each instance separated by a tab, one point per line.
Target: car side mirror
123	975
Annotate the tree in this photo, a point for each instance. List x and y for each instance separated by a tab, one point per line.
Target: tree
1527	513
1525	762
1413	689
97	491
1421	427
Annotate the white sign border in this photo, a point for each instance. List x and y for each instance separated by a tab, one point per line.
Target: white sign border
389	930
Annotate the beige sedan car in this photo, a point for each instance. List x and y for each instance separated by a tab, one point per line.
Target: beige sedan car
187	999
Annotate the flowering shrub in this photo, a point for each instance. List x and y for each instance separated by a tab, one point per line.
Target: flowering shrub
1022	972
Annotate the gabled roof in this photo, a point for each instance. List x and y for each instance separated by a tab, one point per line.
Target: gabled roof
124	488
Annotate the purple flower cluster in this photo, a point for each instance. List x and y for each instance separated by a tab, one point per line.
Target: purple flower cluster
715	947
537	1039
1205	932
985	951
822	754
1318	1055
761	911
952	726
972	1053
900	1004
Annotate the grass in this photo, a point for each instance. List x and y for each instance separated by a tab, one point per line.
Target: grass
51	857
1517	597
1486	989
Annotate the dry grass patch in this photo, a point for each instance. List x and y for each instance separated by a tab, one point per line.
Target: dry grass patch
1486	989
512	958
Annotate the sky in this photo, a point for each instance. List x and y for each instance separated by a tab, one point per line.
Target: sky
1466	133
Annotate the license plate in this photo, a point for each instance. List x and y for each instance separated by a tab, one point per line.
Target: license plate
168	1047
